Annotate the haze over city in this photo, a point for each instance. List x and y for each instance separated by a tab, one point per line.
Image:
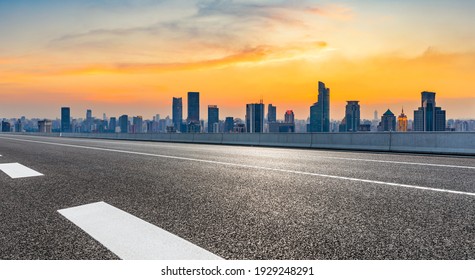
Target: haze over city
132	57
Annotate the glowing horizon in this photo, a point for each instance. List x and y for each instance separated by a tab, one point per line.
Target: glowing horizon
132	57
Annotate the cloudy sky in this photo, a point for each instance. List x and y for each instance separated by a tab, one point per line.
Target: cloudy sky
124	56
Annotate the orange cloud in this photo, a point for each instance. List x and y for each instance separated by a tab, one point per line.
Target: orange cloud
337	12
253	55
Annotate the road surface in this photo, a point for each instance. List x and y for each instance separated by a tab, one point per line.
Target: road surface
230	202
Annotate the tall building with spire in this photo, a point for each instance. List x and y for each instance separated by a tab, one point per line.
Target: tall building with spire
320	111
402	122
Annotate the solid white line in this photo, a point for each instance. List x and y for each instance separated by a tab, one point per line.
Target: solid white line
314	156
131	238
402	162
16	170
253	166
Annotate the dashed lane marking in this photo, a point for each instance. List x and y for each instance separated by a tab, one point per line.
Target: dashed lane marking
16	170
132	238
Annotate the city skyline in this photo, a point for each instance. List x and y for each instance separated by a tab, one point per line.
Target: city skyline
380	53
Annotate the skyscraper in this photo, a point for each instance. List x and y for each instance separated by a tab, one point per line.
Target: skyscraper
137	124
65	119
429	117
6	126
213	118
289	117
112	124
271	113
124	124
193	107
388	122
177	113
255	118
352	121
320	111
88	122
402	122
229	125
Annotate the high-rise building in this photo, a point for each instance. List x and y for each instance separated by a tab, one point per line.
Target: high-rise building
255	118
388	122
271	113
229	125
352	121
193	107
402	122
177	113
6	126
213	118
429	117
137	124
124	124
375	115
320	111
45	126
289	117
18	126
112	124
65	119
88	122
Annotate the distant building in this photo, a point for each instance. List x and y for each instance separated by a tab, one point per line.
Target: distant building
18	126
402	122
388	122
429	117
45	126
229	125
177	113
351	122
271	113
193	127
112	124
281	127
193	107
213	119
6	126
289	117
320	111
89	122
137	124
255	118
65	119
239	128
124	124
366	127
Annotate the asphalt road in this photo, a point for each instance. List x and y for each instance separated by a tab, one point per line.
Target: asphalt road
240	202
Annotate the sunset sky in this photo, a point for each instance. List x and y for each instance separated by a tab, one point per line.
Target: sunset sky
131	57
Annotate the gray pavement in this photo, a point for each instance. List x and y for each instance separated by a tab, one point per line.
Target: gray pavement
240	202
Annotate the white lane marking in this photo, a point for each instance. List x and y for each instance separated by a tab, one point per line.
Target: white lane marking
252	166
16	170
186	146
131	238
402	162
